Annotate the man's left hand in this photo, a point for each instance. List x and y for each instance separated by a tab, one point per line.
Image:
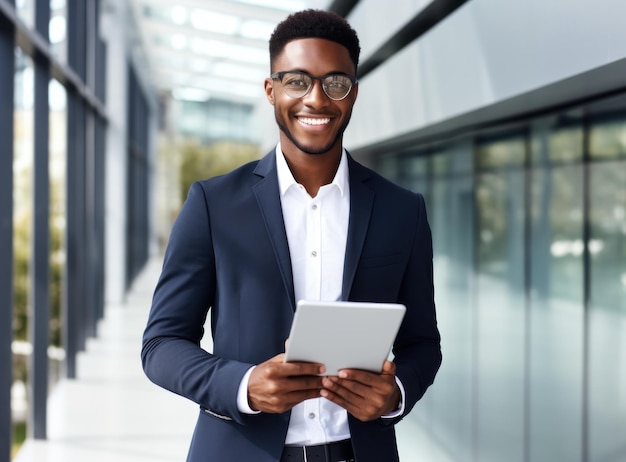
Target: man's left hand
365	395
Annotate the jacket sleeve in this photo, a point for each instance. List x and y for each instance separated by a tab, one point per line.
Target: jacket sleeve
171	353
417	350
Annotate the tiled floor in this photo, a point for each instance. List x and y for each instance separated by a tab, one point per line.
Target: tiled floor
112	412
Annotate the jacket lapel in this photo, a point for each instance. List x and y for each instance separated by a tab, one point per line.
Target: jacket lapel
361	200
268	197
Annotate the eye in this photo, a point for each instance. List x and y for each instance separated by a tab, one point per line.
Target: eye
337	85
296	81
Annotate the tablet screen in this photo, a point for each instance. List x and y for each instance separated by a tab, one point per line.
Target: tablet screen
341	335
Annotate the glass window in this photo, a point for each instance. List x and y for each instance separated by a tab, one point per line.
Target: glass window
22	223
501	151
500	304
58	150
607	305
58	29
556	322
558	139
26	11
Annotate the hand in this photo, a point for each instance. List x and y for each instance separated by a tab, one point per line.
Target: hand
365	395
276	386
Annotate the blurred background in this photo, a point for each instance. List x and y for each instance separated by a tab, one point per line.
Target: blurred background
508	115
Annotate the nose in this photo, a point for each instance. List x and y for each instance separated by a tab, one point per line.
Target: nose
316	96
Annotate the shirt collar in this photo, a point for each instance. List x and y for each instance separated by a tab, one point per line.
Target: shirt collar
286	179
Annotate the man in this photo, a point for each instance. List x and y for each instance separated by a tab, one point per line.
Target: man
304	222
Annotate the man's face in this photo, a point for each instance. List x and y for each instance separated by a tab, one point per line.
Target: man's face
313	124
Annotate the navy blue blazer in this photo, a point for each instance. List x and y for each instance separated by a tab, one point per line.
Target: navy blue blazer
228	256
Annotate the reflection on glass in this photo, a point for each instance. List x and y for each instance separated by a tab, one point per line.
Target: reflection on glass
511	243
556	292
607	310
607	138
507	151
500	322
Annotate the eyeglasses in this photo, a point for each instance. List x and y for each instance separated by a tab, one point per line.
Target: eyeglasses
298	84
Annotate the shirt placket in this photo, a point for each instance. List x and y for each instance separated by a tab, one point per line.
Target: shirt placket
313	288
314	250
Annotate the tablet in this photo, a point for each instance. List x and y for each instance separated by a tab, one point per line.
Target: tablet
344	335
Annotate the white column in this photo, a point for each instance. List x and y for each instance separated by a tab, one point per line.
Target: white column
115	14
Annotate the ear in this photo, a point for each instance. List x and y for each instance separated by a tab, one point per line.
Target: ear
269	90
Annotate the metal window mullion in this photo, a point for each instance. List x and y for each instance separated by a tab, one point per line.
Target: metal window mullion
40	254
74	303
7	76
40	260
99	204
71	265
89	255
81	249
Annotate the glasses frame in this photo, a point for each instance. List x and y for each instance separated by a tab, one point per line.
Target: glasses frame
279	76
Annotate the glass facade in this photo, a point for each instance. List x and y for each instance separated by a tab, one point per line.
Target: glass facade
529	230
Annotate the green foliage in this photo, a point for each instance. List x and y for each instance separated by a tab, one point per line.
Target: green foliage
19	435
22	282
21	276
199	162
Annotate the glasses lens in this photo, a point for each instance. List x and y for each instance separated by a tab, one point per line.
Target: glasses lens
337	86
296	84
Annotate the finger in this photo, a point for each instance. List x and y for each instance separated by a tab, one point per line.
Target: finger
302	368
343	398
389	368
359	408
350	391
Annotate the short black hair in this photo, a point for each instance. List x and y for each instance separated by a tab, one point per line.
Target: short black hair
315	24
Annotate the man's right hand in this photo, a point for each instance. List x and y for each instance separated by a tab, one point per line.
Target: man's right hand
276	386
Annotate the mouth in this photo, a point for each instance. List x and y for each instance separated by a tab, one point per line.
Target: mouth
315	121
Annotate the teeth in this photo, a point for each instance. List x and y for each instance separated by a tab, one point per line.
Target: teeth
316	121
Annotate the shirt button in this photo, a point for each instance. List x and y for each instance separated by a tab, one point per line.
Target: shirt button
311	415
314	206
314	253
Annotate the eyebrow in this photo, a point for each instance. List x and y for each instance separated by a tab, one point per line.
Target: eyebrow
302	71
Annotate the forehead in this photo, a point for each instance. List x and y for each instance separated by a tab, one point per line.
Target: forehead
315	56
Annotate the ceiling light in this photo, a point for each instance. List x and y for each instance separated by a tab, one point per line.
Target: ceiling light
179	41
238	72
287	5
190	94
214	22
178	14
254	29
235	52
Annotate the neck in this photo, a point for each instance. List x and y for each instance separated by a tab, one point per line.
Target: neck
314	171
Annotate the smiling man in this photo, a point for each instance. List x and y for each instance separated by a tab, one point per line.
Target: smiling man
304	222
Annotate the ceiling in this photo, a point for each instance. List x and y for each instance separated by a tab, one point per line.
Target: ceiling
201	49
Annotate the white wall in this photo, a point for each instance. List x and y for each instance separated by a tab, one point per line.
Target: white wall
485	52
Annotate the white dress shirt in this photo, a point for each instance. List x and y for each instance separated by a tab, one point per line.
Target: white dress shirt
317	230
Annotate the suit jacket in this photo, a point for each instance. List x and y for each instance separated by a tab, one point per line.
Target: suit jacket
228	253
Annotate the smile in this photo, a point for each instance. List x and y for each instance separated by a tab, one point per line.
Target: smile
314	121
